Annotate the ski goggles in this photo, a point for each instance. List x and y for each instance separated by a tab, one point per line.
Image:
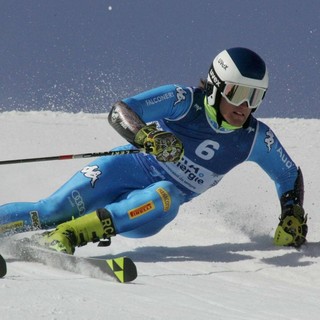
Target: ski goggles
237	94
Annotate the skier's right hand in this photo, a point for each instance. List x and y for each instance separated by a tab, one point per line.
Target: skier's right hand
165	146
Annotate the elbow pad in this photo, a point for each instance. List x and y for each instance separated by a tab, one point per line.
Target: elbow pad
125	121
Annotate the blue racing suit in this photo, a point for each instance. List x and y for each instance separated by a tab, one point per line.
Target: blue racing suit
143	194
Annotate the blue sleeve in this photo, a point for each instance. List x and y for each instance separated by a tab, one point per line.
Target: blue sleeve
166	102
271	156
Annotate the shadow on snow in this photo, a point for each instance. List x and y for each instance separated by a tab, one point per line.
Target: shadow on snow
231	252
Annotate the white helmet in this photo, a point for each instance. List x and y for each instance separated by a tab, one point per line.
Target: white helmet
239	75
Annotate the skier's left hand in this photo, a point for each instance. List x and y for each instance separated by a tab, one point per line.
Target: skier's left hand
165	146
292	228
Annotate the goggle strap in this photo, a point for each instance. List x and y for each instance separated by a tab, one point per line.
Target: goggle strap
216	79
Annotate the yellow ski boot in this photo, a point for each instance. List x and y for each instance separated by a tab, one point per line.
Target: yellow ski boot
78	232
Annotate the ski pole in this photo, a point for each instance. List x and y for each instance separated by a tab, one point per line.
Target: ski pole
73	156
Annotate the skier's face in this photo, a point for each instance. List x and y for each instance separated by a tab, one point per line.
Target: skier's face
234	115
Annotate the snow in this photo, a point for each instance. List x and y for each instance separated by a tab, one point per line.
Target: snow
216	260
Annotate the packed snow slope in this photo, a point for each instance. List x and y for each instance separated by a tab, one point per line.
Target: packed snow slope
215	261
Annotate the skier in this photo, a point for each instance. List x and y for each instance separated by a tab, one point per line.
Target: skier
192	137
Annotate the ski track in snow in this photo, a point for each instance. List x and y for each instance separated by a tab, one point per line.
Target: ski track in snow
216	260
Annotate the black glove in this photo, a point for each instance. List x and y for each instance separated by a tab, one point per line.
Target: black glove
165	146
292	228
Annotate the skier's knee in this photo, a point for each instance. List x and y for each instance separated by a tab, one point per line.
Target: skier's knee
163	207
169	196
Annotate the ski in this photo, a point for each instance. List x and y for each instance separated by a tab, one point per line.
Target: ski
3	267
122	269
